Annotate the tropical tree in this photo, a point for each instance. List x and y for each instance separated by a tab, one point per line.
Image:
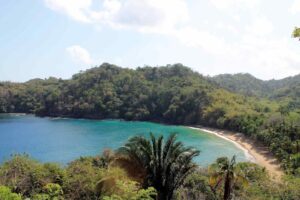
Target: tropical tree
296	33
224	173
166	164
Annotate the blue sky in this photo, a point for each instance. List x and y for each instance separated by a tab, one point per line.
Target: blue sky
42	38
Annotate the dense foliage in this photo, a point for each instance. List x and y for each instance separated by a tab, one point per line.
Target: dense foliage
85	178
166	164
166	93
106	178
284	89
242	83
6	194
266	111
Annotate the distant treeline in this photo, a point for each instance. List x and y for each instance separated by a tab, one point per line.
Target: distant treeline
273	89
170	94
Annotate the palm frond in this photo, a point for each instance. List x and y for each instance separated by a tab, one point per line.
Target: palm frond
167	164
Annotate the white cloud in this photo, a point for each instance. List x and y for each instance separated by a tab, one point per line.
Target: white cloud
79	55
202	39
230	4
227	27
295	8
260	26
76	9
267	57
105	15
241	43
144	15
152	15
255	49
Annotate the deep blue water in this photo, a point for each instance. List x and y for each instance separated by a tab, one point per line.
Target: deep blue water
62	140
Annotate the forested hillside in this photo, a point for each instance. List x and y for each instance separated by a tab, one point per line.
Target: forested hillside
285	92
242	83
170	94
284	89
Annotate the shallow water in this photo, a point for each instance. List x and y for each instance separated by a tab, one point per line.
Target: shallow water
62	140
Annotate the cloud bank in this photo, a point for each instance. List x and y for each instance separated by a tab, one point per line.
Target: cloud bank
255	48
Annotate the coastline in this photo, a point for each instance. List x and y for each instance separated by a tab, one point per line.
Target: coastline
217	133
254	152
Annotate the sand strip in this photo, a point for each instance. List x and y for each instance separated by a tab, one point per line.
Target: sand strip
254	152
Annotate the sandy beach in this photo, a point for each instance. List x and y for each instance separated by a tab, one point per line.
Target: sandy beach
255	152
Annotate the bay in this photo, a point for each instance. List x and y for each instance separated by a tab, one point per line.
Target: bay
63	140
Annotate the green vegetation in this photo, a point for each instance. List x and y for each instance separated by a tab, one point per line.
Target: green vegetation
266	111
166	164
296	32
6	194
245	84
286	89
130	191
224	171
85	178
143	169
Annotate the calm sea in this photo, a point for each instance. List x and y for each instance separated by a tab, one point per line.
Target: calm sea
63	140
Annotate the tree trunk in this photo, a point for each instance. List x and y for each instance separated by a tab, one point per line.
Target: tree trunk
227	187
162	195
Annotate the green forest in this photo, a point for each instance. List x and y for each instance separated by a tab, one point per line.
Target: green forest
266	111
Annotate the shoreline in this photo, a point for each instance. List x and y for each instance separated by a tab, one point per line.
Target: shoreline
254	152
247	153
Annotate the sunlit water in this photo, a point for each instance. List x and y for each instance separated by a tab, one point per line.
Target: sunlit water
62	140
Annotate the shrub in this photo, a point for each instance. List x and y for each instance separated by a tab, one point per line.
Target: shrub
6	194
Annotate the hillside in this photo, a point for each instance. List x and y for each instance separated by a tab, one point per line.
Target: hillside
286	91
287	87
169	94
173	94
111	92
245	84
249	85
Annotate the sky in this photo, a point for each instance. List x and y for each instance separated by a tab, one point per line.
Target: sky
43	38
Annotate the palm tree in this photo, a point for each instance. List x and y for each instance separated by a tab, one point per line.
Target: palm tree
166	164
224	172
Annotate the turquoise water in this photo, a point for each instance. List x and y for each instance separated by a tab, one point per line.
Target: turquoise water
62	140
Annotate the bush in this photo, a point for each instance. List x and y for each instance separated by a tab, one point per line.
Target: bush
129	190
82	176
6	194
51	191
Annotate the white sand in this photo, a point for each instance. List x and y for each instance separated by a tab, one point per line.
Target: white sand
254	152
